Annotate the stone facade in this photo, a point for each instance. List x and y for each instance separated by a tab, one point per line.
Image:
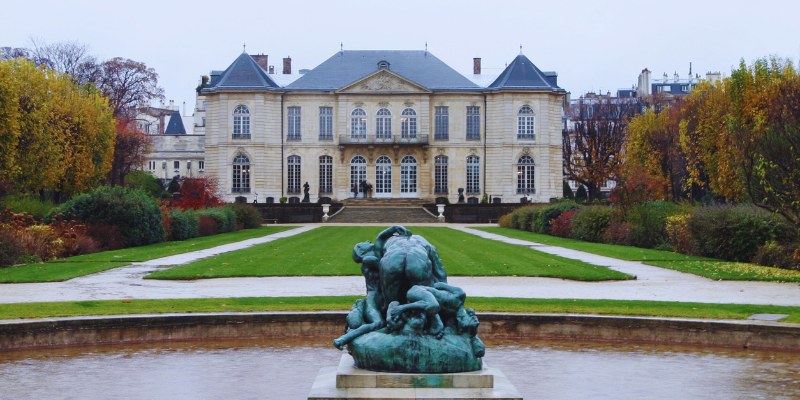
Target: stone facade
274	140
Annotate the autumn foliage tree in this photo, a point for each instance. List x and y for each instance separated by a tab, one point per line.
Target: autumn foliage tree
196	193
55	136
130	150
593	147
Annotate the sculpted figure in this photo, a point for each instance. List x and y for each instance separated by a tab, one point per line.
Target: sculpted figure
411	320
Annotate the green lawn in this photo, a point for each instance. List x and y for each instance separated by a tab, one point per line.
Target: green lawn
342	303
705	267
68	268
326	251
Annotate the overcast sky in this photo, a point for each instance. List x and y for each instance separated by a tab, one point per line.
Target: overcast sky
593	45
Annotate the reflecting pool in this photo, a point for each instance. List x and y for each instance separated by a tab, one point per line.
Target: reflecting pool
285	369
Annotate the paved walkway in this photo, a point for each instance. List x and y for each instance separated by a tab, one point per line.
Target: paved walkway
652	283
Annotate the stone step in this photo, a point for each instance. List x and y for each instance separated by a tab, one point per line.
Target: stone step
387	215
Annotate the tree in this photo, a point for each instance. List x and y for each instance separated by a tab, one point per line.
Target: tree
199	193
126	84
593	148
130	150
56	136
71	58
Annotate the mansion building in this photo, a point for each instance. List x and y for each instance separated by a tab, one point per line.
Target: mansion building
402	121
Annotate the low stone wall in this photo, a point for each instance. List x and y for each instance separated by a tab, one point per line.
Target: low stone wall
83	331
293	213
474	213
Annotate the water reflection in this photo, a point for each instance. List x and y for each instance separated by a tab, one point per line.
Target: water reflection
285	369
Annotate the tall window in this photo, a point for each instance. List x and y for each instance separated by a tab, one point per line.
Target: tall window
358	172
441	124
408	175
383	175
383	124
440	175
358	124
525	124
293	174
325	174
241	122
408	124
293	124
326	123
241	174
473	123
473	175
525	180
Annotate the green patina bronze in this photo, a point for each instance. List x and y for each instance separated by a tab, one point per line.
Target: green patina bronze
411	320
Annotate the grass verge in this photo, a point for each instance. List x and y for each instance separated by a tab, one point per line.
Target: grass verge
326	251
705	267
343	303
72	267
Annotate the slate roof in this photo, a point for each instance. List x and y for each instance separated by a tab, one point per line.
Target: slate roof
523	74
175	125
418	66
243	74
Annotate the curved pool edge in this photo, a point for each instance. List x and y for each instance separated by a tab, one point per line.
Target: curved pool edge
130	329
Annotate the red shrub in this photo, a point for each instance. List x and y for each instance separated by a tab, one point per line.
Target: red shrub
198	193
107	237
562	225
618	233
208	226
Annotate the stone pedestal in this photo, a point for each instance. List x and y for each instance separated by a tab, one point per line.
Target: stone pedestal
348	382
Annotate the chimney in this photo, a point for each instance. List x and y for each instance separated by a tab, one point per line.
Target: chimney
261	60
476	65
271	69
287	65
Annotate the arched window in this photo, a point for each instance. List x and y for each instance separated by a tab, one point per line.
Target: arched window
473	175
526	123
241	174
383	175
383	124
408	124
358	173
525	178
241	122
358	124
408	175
293	174
325	174
440	175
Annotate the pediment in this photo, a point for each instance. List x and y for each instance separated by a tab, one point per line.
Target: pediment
383	82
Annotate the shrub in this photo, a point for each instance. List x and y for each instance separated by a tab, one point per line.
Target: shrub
107	237
581	195
247	216
145	182
618	233
505	221
735	233
541	223
523	217
29	205
774	254
10	249
679	234
562	226
74	239
648	221
207	226
40	241
224	216
197	193
134	214
590	223
183	225
567	191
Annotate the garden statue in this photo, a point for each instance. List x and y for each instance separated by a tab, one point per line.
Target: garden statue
305	193
411	320
460	195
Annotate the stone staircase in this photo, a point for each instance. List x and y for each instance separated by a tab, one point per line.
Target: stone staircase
385	211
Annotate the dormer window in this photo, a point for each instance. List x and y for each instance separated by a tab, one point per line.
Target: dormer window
383	64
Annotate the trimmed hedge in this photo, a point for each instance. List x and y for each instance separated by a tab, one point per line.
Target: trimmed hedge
247	216
590	223
544	218
184	224
133	213
224	216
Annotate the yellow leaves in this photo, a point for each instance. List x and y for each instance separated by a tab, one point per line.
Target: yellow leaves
53	133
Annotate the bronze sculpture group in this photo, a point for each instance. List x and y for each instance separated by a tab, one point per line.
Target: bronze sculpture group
411	320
